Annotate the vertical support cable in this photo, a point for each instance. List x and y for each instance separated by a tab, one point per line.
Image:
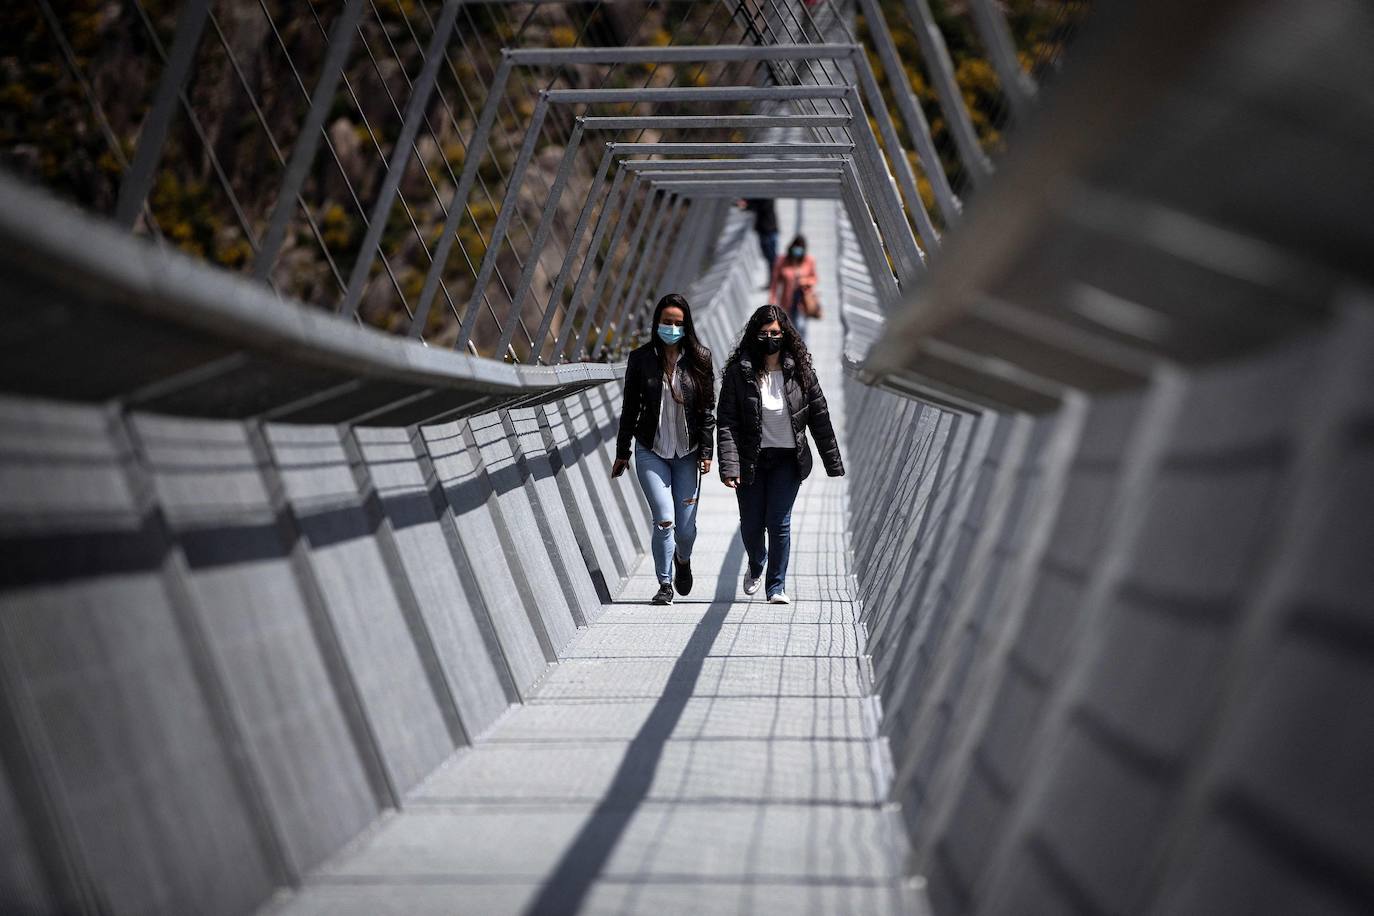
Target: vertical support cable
673	273
868	85
867	236
642	258
877	181
656	255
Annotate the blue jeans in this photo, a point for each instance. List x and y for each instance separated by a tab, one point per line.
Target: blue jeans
766	506
667	485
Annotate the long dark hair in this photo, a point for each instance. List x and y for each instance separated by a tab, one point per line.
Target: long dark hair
691	353
792	343
797	240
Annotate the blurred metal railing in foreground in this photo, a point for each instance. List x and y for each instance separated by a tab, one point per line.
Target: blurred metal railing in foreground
1112	479
1141	222
1108	464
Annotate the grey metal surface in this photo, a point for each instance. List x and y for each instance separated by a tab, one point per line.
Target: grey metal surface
172	335
443	583
366	605
1158	237
719	753
291	604
83	685
534	570
1097	643
257	602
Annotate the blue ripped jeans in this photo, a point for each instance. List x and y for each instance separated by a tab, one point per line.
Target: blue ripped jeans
667	485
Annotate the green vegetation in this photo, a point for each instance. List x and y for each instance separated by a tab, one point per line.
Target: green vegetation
1041	29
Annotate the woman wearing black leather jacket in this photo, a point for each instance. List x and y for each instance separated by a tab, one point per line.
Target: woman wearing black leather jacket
667	416
769	398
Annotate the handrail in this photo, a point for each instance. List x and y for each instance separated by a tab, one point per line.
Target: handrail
73	268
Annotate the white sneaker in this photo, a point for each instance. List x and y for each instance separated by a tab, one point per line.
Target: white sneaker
780	598
751	584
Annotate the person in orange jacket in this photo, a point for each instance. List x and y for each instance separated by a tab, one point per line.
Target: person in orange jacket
793	273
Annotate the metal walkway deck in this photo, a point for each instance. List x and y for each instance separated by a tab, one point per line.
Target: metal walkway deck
717	756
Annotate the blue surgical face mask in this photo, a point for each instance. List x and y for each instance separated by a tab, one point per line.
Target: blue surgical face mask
797	251
670	333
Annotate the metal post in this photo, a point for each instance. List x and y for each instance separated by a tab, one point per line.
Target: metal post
941	69
825	168
693	228
541	238
673	273
457	206
734	149
803	188
656	250
743	122
676	54
559	281
622	220
912	114
697	94
886	207
400	159
645	268
584	274
897	153
866	234
133	190
503	218
308	141
663	166
1017	84
665	264
649	218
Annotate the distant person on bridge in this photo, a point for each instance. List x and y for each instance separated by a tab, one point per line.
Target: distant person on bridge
769	397
766	225
794	284
669	395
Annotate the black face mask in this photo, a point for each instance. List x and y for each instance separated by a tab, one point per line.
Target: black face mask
770	345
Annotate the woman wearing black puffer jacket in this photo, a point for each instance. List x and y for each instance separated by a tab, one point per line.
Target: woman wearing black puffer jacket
769	398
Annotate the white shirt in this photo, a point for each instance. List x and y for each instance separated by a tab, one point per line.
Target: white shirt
777	421
672	440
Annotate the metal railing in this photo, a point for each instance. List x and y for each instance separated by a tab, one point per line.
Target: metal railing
1136	342
414	166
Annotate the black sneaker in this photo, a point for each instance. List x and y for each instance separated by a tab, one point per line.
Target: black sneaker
682	581
665	594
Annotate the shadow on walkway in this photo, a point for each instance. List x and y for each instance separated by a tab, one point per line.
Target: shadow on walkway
567	887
